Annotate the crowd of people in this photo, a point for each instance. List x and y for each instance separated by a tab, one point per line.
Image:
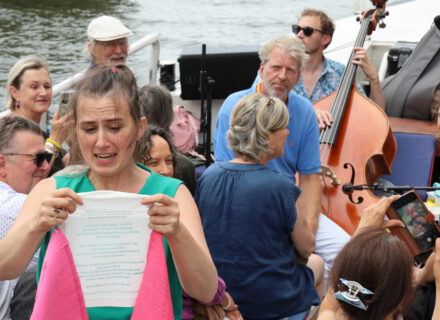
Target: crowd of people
244	241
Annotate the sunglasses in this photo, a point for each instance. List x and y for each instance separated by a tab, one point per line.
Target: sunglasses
38	158
420	223
308	31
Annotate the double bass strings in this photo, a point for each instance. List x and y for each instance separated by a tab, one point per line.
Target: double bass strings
329	134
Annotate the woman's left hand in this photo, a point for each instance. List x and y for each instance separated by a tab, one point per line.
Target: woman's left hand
164	214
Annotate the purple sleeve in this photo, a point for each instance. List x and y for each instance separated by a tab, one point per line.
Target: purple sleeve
218	298
219	295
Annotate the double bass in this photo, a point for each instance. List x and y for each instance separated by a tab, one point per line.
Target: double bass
359	146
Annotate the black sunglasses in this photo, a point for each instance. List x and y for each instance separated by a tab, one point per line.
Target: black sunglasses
38	157
420	223
308	31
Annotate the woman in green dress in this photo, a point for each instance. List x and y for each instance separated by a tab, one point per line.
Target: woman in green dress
107	127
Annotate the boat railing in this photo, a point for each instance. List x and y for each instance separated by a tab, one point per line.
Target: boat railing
151	39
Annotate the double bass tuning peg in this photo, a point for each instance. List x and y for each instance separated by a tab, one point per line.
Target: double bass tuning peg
384	14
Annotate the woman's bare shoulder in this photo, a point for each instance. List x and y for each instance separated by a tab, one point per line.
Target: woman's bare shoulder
44	185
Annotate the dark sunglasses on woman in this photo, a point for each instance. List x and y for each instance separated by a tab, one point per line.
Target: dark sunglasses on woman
38	158
308	31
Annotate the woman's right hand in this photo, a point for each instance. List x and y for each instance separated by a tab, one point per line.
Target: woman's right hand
373	215
55	209
61	127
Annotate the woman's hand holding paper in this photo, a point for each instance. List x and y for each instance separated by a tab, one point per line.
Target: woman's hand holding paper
164	214
55	209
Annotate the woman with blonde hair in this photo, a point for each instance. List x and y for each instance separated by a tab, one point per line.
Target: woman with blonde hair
250	220
29	95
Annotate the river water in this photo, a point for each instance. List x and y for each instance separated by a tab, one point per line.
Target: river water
56	29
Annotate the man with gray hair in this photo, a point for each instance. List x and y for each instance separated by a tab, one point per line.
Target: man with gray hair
281	61
108	44
23	163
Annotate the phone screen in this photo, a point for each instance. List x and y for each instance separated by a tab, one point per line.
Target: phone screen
413	216
64	103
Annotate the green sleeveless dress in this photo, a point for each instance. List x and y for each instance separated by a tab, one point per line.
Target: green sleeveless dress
155	184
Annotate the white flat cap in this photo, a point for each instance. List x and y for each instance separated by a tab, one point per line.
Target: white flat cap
106	28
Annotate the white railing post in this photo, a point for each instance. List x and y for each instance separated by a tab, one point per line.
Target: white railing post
67	84
154	61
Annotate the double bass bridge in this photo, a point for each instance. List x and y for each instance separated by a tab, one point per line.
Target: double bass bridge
328	173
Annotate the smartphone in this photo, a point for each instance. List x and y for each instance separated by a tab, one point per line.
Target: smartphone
63	108
421	228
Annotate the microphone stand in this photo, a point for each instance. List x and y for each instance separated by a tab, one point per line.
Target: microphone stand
205	88
349	188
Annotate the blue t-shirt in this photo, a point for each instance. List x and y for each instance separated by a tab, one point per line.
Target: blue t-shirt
301	151
248	212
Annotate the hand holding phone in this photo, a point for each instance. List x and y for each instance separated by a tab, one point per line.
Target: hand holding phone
63	108
420	230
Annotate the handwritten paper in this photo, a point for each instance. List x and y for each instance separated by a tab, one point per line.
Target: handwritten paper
109	237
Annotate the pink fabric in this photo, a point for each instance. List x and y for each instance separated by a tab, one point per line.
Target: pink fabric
59	294
185	128
154	298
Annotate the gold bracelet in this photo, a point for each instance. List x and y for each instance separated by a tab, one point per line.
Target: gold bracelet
56	144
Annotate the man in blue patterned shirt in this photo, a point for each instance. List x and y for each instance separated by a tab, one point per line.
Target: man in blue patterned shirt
320	75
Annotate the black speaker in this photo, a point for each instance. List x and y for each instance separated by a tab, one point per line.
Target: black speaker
233	69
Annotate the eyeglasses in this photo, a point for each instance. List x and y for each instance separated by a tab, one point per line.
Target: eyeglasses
308	31
38	157
113	43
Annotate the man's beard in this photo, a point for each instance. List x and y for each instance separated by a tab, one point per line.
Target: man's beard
274	93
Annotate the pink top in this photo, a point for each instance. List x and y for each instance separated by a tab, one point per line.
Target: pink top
59	294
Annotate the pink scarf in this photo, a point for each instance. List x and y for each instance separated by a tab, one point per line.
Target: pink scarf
59	294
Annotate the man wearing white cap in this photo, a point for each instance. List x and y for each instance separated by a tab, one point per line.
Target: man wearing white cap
108	43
